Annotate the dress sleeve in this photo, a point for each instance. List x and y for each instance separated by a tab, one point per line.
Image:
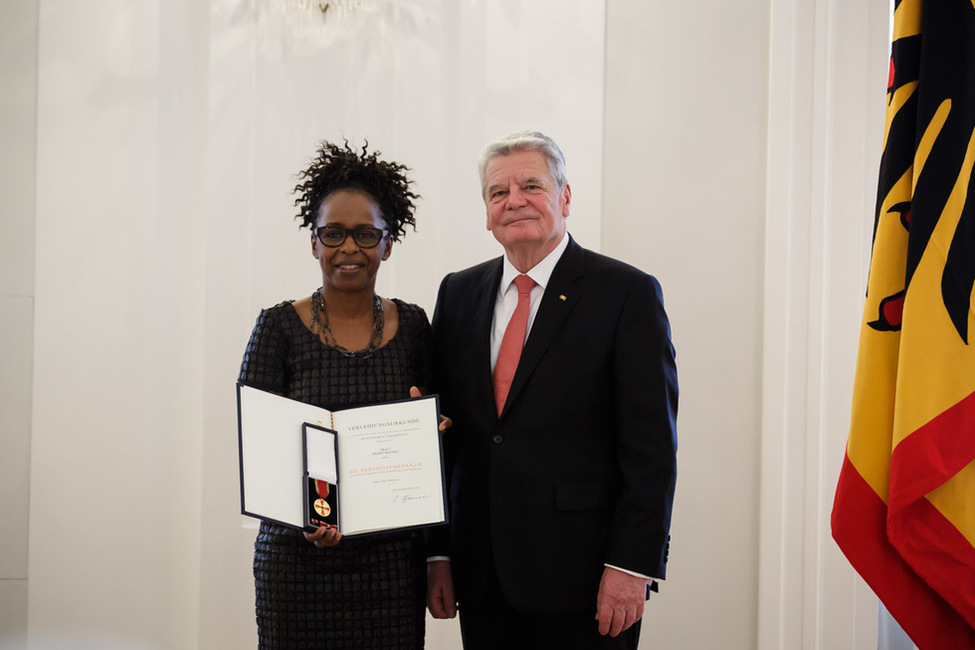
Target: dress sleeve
265	360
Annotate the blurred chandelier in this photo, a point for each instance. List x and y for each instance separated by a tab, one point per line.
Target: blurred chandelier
318	9
314	24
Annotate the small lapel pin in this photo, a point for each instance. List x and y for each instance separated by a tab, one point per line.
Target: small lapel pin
562	297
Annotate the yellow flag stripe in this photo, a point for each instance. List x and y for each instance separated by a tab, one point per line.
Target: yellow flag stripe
937	368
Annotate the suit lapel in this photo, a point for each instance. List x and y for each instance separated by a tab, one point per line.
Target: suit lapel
560	297
485	294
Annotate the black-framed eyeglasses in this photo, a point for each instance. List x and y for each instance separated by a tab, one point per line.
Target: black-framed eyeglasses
364	236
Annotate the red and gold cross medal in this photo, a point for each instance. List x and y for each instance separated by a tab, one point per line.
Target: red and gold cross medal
321	505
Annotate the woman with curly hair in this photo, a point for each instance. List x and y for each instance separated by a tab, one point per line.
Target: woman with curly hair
343	346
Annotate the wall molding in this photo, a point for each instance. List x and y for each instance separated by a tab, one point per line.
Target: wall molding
827	77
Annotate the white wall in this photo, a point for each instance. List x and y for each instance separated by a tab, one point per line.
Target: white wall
167	135
683	198
119	329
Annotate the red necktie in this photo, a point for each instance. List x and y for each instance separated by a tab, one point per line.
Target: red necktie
512	342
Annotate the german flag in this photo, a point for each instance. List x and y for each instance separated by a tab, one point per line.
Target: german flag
904	511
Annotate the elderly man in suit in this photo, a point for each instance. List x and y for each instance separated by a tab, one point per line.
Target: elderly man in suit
557	368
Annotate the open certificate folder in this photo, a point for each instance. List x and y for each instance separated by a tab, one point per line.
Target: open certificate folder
364	469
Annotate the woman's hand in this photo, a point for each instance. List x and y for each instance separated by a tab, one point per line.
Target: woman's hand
445	422
324	537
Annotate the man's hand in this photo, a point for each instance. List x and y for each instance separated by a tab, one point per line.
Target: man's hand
440	590
445	422
620	601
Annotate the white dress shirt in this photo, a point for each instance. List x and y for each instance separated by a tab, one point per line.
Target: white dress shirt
507	299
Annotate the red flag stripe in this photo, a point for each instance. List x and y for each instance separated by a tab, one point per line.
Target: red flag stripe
938	551
931	455
859	526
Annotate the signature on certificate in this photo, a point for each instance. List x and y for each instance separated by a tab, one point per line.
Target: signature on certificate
409	498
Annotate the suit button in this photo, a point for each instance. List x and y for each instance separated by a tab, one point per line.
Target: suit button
497	438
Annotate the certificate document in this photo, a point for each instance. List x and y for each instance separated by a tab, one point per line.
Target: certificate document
369	469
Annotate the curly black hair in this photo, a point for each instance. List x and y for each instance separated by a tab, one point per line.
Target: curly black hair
338	168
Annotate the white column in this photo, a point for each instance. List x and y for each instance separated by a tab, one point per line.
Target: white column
827	81
18	89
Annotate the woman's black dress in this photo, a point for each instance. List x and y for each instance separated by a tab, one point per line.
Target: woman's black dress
367	592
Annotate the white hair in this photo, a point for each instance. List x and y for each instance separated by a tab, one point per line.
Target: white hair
526	141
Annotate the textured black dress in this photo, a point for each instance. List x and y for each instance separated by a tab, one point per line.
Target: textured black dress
369	591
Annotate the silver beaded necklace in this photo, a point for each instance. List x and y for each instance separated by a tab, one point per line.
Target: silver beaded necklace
319	325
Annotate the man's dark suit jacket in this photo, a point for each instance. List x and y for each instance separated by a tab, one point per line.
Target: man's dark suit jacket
579	469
